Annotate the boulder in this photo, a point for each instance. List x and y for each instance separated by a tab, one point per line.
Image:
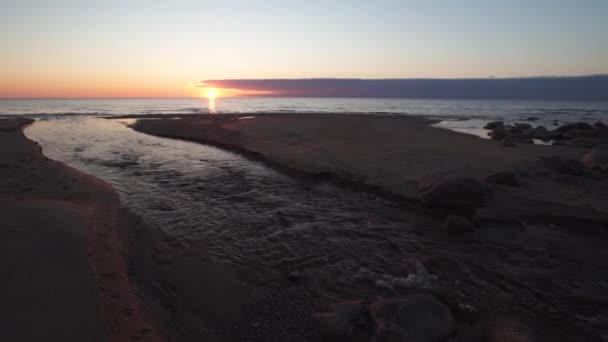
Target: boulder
454	192
599	124
343	322
531	118
415	318
507	177
494	124
597	159
577	133
568	127
454	224
498	133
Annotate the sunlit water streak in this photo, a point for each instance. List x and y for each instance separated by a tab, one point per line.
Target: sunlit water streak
476	112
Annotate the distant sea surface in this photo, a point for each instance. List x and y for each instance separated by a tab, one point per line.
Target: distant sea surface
461	115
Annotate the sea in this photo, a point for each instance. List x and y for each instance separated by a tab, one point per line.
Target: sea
468	116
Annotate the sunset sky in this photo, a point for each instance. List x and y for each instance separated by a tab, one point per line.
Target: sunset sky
61	48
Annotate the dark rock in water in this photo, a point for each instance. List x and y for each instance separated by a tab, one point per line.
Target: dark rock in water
599	124
454	192
343	323
568	127
454	224
498	133
416	318
571	167
531	118
507	177
494	124
295	276
597	159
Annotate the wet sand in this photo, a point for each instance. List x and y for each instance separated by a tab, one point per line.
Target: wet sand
63	239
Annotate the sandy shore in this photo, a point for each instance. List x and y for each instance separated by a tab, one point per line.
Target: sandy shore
529	274
64	268
390	155
532	270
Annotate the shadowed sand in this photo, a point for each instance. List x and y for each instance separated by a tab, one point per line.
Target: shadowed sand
392	154
63	266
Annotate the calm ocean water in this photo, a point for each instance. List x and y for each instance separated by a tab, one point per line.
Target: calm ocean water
474	112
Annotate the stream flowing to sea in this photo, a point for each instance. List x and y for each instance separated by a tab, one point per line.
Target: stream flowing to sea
273	230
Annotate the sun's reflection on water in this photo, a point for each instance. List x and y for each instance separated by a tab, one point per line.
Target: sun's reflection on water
211	105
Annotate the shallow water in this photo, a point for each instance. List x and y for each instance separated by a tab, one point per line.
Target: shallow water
273	230
262	223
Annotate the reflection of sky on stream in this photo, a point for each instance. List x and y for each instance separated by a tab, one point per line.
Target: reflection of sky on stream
263	223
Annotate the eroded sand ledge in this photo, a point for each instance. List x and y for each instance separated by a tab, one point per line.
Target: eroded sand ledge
391	154
64	267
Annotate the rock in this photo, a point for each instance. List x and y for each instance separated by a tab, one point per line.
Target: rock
571	167
454	192
577	132
416	318
454	224
531	118
498	133
568	127
597	159
295	276
599	124
343	323
494	124
507	177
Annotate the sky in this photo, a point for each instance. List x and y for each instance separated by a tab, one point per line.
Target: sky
147	48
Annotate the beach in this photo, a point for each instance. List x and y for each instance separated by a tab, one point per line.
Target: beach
529	264
64	265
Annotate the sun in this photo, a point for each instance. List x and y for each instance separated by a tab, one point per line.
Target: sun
212	92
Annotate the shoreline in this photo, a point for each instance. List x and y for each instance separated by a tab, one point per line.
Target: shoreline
200	299
87	258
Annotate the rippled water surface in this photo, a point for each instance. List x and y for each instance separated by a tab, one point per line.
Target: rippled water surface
273	230
263	223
